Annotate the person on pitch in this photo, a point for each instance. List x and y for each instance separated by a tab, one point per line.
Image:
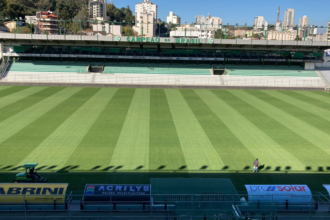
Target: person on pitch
255	166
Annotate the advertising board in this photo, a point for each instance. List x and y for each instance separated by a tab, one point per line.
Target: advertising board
33	192
297	194
108	192
326	55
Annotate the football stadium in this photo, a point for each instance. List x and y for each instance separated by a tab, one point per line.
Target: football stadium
163	128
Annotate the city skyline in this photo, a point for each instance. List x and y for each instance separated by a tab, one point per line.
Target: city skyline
244	14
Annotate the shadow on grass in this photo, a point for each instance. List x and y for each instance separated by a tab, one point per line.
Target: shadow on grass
261	167
78	180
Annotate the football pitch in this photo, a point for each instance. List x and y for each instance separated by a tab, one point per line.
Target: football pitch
128	135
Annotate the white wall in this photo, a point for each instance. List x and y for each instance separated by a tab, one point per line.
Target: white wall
309	66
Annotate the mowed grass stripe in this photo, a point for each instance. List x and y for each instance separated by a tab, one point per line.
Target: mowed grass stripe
22	119
16	107
307	99
229	148
304	106
165	152
96	148
324	94
4	87
57	148
197	148
17	147
132	148
265	117
254	139
10	99
10	90
298	120
321	96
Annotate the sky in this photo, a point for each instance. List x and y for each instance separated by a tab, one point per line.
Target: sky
239	11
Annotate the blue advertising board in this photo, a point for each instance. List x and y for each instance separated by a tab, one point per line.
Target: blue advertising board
115	192
295	194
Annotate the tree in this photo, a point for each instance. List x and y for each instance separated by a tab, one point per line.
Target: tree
256	36
22	30
119	15
30	27
218	34
3	6
45	5
111	9
81	17
128	31
173	27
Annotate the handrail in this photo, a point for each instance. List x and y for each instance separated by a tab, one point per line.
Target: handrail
169	40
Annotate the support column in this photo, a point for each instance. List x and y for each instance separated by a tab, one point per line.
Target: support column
1	51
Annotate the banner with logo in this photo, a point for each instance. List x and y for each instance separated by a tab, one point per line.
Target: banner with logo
327	187
33	192
115	193
280	193
327	53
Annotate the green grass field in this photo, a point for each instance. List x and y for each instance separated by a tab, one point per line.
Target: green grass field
93	135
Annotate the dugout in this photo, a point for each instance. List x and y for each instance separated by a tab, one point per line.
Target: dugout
220	71
95	68
195	196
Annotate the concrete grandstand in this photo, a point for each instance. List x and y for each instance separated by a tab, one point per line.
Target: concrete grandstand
161	61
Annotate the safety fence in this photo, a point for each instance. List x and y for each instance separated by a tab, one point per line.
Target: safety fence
166	206
169	40
178	80
4	63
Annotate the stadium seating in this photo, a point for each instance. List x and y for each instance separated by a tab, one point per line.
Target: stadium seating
174	69
241	72
260	67
69	72
154	69
49	67
76	67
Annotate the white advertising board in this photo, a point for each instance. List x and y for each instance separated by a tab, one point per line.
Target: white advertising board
327	187
297	194
326	55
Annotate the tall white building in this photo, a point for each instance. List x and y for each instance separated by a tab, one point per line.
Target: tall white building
259	23
98	10
266	26
203	22
145	18
278	26
173	19
304	21
289	19
313	30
